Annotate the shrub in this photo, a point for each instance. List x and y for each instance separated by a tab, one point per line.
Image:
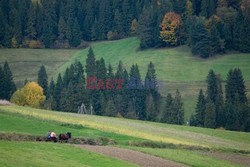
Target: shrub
30	95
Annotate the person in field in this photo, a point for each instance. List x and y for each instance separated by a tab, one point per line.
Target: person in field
51	135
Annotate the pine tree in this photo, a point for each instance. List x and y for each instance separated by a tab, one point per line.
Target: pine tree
178	109
90	64
43	80
31	25
151	110
214	40
210	115
200	110
62	28
110	109
9	86
200	40
118	22
152	87
1	83
235	85
58	91
168	110
212	86
3	22
146	29
76	34
51	90
244	35
196	6
208	8
101	70
15	21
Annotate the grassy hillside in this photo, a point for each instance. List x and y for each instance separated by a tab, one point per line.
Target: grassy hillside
25	154
37	122
146	130
175	66
25	63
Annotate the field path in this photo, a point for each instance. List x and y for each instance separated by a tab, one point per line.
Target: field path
135	157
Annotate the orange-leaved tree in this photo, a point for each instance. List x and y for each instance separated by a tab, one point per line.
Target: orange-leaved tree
30	95
170	27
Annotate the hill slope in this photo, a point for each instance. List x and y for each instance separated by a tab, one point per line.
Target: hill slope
181	144
177	67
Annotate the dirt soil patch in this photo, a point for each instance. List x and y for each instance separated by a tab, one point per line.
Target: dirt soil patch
235	158
135	157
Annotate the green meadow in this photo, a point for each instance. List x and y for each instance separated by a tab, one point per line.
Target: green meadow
22	120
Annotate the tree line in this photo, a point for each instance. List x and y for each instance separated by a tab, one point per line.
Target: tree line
209	27
141	102
213	110
230	111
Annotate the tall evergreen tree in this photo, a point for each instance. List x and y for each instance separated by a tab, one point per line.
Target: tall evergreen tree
208	8
9	86
168	110
76	34
43	80
146	29
244	35
178	109
210	115
90	64
1	83
58	91
31	25
200	110
200	40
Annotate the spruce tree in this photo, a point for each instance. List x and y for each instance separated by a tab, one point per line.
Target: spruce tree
58	91
76	34
1	83
208	8
212	86
244	35
200	40
31	25
151	110
214	40
146	29
43	80
168	110
200	110
178	109
110	109
90	64
9	86
62	28
210	115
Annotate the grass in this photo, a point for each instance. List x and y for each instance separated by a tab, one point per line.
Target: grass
17	123
25	63
187	157
175	64
215	139
27	154
14	119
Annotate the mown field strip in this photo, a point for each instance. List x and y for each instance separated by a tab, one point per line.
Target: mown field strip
145	130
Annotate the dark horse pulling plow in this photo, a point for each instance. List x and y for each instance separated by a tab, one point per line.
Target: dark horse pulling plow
64	137
61	138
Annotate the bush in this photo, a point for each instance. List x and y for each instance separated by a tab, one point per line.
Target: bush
30	95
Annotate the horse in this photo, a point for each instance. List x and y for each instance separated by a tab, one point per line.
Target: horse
64	137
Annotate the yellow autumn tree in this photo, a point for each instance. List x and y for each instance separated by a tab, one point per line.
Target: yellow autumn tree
30	95
170	27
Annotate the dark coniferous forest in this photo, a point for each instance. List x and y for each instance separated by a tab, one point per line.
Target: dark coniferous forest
209	27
